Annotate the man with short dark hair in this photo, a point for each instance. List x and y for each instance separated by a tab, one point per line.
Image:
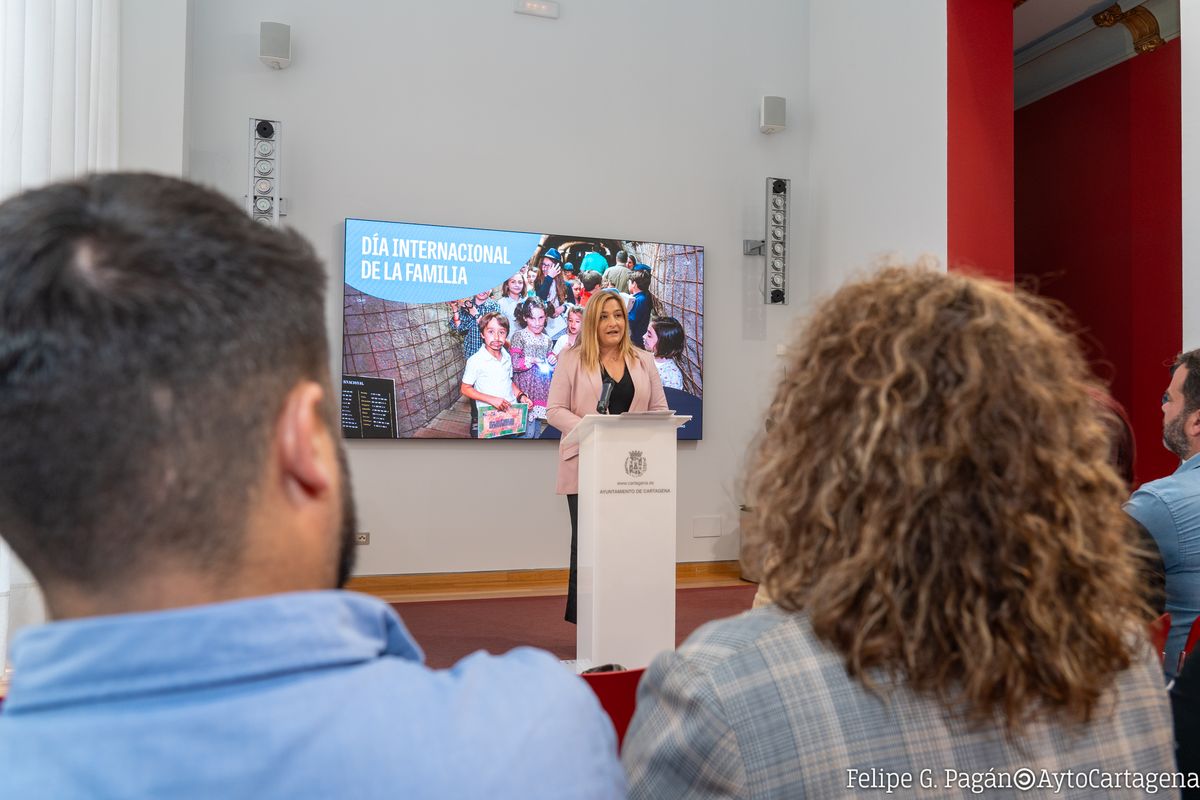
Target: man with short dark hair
171	471
618	274
1169	508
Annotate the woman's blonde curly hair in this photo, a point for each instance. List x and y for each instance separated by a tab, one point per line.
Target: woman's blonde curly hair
934	493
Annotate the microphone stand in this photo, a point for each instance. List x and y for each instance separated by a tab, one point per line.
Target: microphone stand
605	397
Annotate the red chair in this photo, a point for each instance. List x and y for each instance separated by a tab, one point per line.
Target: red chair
617	692
1193	637
1159	630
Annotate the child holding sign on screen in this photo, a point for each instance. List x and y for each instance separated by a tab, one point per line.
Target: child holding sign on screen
488	378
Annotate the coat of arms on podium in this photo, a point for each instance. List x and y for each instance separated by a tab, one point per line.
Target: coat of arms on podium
635	464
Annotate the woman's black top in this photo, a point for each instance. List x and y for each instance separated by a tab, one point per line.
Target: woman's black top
622	396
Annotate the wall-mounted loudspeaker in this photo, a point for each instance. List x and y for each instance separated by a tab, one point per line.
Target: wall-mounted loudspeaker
778	244
275	44
772	114
263	198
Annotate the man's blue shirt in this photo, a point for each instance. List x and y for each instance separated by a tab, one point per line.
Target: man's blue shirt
308	695
1169	508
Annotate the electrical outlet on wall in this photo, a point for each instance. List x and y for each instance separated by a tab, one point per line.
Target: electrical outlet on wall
362	537
706	527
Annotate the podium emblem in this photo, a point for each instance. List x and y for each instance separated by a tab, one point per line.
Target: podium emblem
635	464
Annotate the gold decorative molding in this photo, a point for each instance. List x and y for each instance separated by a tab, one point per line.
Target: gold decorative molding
1139	21
1108	17
1143	26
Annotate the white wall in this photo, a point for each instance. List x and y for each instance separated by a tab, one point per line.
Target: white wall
153	52
877	135
621	118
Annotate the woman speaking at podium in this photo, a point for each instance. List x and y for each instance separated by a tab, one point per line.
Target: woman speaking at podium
603	373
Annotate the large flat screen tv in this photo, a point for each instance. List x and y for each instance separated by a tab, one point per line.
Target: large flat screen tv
414	295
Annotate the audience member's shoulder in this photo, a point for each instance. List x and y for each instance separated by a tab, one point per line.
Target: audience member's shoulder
521	668
1151	503
1185	479
728	639
1155	487
545	719
524	678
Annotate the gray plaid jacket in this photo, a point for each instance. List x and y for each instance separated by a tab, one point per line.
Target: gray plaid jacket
756	706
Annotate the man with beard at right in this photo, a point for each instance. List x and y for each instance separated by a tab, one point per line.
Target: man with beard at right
1169	508
171	470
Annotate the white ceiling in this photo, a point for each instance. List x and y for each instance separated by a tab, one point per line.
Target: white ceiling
1056	43
1034	19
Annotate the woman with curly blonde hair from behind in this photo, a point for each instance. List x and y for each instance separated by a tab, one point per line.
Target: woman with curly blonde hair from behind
956	596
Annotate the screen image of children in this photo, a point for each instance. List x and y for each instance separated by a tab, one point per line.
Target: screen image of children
574	323
531	362
591	282
529	273
488	377
664	338
554	291
512	292
642	304
466	317
572	279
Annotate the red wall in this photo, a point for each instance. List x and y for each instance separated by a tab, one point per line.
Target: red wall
1099	227
979	105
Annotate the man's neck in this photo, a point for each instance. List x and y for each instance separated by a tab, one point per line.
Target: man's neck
166	589
72	602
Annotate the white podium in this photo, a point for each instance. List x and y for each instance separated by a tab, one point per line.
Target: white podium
626	558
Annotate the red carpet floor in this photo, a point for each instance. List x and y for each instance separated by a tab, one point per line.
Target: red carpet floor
447	630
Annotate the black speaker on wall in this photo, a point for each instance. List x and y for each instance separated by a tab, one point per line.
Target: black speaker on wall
777	242
263	198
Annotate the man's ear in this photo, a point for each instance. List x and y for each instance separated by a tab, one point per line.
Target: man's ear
1191	427
306	454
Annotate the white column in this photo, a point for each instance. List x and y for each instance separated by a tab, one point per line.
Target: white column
1189	85
59	90
154	46
21	602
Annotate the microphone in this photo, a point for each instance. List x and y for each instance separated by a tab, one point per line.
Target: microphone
605	395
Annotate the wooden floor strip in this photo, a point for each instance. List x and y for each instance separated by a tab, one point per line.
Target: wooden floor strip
519	583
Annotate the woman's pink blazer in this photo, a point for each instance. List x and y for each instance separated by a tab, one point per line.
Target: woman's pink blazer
574	393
